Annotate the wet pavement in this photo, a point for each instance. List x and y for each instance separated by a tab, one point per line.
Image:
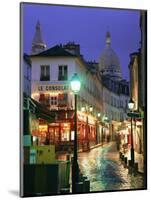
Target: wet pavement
105	172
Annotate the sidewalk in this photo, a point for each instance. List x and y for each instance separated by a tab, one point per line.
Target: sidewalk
138	159
106	171
62	155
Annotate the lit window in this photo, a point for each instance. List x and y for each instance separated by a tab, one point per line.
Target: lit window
53	100
44	99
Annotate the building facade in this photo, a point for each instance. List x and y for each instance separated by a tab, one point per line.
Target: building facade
102	100
52	70
115	89
27	75
138	91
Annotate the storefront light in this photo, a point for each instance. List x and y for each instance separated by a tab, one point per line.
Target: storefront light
99	114
72	135
91	108
105	118
34	138
83	109
66	125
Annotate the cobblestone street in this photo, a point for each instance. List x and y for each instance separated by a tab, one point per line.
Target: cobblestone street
105	171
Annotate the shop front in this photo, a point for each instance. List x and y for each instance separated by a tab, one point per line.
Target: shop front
61	135
138	135
106	135
86	131
61	131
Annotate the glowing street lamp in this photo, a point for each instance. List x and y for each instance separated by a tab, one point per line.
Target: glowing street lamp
83	109
75	87
91	108
131	107
75	83
105	118
99	114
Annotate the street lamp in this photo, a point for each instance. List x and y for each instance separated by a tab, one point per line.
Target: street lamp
105	120
99	114
75	87
91	108
131	106
83	109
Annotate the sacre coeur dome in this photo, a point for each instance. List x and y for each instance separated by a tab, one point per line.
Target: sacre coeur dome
109	61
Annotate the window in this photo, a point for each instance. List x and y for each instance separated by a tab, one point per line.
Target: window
63	73
44	73
44	99
54	100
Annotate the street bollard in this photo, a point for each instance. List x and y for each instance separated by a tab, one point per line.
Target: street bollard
132	169
135	168
125	162
129	163
120	155
79	187
86	186
129	166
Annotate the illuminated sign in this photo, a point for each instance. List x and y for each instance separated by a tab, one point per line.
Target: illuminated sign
52	87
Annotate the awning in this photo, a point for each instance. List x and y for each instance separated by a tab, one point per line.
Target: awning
43	112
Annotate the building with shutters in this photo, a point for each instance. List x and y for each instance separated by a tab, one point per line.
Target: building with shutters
115	89
138	92
52	70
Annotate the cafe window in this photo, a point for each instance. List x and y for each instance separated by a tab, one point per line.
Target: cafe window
65	134
62	73
44	73
54	100
44	99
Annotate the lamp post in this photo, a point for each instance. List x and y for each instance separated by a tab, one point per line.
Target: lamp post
105	119
86	142
98	137
131	106
75	87
99	114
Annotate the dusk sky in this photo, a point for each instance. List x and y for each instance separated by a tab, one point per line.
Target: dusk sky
85	26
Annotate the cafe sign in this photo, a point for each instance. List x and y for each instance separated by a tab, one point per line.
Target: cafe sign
53	87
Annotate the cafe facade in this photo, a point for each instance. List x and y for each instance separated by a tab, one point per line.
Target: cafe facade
50	85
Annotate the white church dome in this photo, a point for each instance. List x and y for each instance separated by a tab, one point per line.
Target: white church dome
109	61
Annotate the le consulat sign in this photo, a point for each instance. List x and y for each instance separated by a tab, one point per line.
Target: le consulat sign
53	87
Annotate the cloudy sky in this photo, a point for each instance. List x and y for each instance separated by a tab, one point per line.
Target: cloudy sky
86	26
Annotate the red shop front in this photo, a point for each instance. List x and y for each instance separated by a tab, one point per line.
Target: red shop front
86	132
61	131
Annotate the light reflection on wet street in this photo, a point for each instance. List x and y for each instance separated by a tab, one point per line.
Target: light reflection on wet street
104	170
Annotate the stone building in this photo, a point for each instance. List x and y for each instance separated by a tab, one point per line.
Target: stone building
138	91
115	88
52	70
